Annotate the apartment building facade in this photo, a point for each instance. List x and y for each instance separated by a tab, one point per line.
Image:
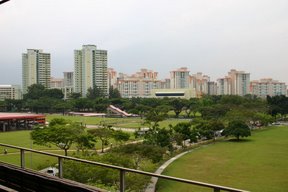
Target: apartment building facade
56	83
139	84
36	68
10	92
68	84
236	83
90	69
112	78
268	86
199	83
179	78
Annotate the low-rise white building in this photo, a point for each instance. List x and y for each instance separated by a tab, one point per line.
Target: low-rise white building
176	93
10	92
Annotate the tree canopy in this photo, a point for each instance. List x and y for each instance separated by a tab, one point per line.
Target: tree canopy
237	128
62	133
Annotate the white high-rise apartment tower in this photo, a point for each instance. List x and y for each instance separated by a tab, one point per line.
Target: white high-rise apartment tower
179	78
236	83
90	69
36	68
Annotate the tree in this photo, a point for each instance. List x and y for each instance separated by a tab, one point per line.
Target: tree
114	93
153	117
164	138
278	105
100	104
120	136
34	91
209	128
260	119
13	104
213	111
142	110
177	106
183	131
95	92
237	128
104	134
139	151
59	132
75	95
62	106
85	141
82	104
191	106
54	93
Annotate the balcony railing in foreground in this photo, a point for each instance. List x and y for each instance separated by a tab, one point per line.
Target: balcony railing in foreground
122	170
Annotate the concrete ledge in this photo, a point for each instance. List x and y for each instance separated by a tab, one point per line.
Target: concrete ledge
28	180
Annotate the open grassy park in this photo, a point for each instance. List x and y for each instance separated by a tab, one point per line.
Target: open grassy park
258	163
22	139
135	122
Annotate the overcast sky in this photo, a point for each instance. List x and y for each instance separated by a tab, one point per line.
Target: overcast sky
208	36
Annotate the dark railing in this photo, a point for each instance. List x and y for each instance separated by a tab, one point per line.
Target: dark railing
122	170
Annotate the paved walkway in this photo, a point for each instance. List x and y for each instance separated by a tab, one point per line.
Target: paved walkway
115	128
152	185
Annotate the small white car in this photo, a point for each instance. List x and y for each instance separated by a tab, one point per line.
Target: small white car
52	171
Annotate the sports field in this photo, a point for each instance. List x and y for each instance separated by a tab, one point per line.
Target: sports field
259	163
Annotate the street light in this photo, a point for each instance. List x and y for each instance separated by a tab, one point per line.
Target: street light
3	1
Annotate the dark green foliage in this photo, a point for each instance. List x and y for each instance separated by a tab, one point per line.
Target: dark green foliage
104	134
54	93
237	128
34	91
74	95
63	134
208	129
114	93
278	105
184	131
154	153
213	112
95	92
13	105
177	106
120	136
82	104
134	156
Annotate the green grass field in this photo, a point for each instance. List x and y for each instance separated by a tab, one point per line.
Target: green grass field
135	122
258	163
34	161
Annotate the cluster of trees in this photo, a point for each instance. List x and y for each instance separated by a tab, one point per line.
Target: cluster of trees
38	99
41	100
134	156
64	133
208	116
278	106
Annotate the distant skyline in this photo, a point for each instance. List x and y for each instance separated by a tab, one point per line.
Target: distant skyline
208	36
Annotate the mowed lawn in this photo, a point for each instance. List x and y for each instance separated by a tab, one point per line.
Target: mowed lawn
126	122
260	163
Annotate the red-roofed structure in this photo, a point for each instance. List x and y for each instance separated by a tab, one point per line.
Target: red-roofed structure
20	121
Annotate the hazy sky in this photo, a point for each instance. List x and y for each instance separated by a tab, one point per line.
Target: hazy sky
209	36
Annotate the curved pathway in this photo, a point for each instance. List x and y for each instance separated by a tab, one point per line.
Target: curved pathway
152	185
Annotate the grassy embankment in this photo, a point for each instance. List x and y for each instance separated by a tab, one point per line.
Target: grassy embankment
258	163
